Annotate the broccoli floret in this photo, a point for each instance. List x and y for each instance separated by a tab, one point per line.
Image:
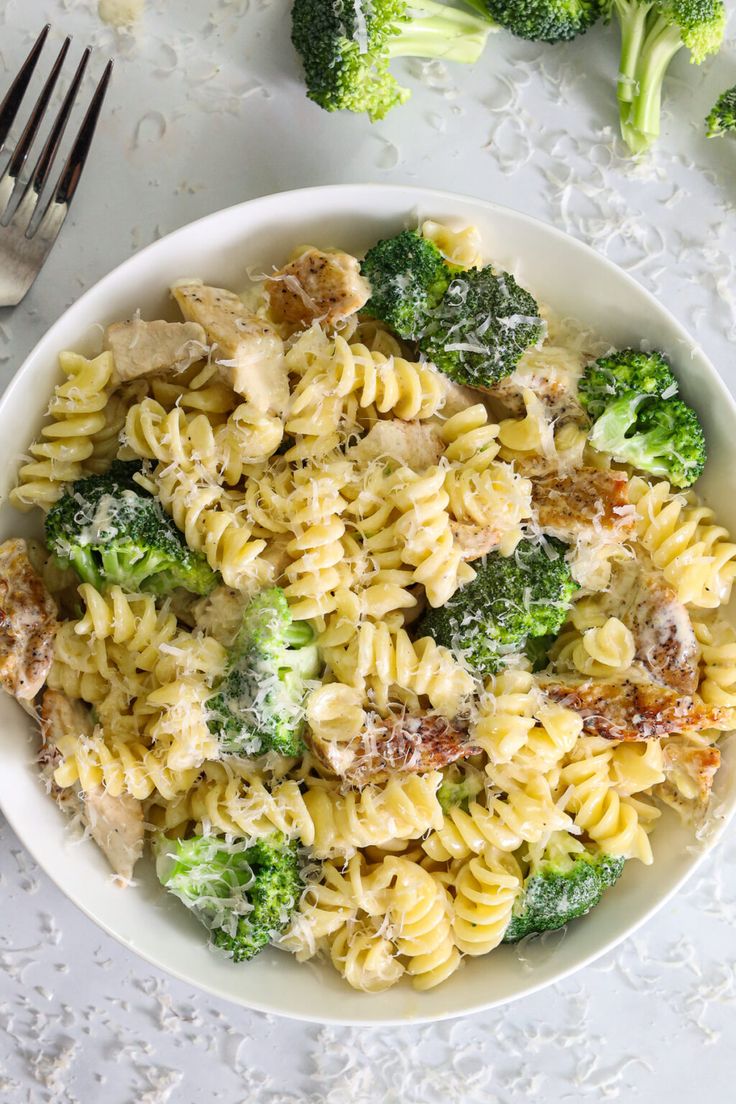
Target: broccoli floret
652	32
346	47
547	20
639	420
537	649
611	376
458	787
243	894
259	704
482	326
722	117
567	881
659	436
408	276
113	533
510	599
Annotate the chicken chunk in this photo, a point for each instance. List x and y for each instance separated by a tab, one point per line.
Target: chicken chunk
407	744
474	541
691	770
248	351
116	824
555	387
635	708
150	348
317	287
584	503
664	635
27	624
416	445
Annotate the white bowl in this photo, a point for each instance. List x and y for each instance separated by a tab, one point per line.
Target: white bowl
222	248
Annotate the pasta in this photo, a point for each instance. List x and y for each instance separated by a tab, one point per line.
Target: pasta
342	680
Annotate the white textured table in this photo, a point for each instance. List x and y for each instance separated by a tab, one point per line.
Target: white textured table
206	110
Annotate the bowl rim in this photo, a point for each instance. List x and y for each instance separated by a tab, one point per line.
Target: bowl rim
415	196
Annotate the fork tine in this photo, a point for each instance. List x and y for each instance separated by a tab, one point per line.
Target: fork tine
16	92
20	153
72	171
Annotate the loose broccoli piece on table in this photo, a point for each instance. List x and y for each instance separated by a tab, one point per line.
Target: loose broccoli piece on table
638	419
113	533
243	894
721	118
567	881
546	20
611	376
408	276
511	599
482	326
346	48
259	705
652	32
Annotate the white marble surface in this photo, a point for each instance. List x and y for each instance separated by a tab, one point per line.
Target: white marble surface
206	109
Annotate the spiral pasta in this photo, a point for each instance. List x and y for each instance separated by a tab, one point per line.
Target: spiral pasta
122	767
696	557
717	641
420	913
379	658
486	887
600	651
515	724
77	414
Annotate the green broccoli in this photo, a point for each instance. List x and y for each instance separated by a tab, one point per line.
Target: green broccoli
721	118
408	276
459	786
537	649
511	599
346	47
652	32
259	704
481	327
112	532
244	894
565	882
545	20
613	375
638	419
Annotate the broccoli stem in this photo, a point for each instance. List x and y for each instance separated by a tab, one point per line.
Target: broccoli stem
633	20
661	44
443	32
298	634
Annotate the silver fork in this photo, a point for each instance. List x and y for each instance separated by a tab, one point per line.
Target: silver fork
25	240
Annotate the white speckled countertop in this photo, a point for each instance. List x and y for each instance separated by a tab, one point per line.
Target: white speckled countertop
206	109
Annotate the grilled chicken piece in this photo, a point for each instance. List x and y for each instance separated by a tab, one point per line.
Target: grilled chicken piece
691	770
317	287
474	541
115	823
27	624
584	503
412	443
664	635
248	351
635	708
406	744
555	387
149	348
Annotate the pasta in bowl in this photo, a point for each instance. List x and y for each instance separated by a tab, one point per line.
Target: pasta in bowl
355	621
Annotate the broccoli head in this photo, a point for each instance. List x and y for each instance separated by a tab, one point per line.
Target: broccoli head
564	882
510	599
482	326
638	419
259	704
547	20
459	786
537	649
408	276
611	376
244	894
652	32
346	47
721	118
113	533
